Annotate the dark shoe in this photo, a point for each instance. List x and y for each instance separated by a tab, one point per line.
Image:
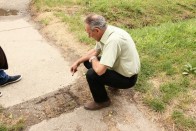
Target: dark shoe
12	79
96	106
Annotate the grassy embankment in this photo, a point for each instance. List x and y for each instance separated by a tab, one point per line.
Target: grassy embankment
165	35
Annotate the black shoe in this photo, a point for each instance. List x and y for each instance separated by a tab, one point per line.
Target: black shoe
12	79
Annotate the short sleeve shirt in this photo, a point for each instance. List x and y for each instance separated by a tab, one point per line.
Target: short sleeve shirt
119	52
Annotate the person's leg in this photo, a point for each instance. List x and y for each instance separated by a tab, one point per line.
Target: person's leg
111	78
97	86
98	92
3	77
116	80
88	65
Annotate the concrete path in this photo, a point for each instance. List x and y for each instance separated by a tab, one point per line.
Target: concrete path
113	118
41	65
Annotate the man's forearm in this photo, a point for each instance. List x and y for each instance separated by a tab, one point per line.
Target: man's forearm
98	68
86	57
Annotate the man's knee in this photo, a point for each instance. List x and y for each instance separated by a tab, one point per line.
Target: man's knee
91	74
87	64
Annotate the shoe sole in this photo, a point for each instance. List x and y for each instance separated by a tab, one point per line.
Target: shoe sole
101	107
86	108
112	89
12	82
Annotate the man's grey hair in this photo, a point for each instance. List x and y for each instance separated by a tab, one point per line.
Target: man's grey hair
94	20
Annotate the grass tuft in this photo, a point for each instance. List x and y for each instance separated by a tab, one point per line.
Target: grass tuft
181	121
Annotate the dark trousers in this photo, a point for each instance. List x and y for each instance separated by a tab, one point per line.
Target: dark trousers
110	78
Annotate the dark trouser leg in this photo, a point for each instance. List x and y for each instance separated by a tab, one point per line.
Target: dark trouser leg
97	88
111	78
3	76
88	65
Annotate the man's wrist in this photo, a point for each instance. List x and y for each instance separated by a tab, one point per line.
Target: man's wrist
93	57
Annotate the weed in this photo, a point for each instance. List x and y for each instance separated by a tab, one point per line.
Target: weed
188	69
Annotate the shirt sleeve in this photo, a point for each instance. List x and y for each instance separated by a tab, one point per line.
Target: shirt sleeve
110	53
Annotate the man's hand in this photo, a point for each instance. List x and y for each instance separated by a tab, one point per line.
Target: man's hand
74	68
86	57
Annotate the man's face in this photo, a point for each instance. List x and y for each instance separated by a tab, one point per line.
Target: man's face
92	33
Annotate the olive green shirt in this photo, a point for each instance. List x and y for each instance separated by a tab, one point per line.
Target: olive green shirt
119	52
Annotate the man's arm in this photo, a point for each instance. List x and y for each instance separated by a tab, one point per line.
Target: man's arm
86	57
100	69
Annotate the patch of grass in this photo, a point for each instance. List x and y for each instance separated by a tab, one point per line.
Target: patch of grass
142	84
19	126
156	104
147	68
182	121
45	4
76	26
45	21
130	14
3	127
1	108
185	101
170	91
134	14
165	46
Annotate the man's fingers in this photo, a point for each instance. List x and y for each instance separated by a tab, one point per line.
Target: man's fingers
73	71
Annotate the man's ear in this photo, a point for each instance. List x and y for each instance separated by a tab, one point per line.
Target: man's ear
96	29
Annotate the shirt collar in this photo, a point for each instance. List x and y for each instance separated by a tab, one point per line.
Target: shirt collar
106	34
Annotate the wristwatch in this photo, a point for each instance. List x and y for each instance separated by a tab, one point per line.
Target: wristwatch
93	57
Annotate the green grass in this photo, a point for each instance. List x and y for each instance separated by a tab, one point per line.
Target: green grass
184	122
45	21
168	46
170	91
134	14
17	127
125	13
165	35
156	104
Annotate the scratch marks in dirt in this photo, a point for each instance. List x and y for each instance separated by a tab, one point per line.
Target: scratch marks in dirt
45	107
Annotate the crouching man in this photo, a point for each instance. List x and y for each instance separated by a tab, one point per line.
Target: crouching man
118	65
